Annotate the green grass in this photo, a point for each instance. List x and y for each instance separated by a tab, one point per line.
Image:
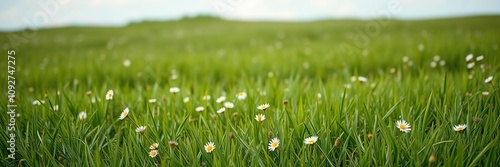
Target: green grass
271	62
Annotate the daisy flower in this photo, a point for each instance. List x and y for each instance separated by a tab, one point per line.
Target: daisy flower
56	107
82	115
209	147
470	65
485	93
153	153
141	129
109	95
221	99
311	140
154	146
263	107
479	58
260	117
228	105
241	95
38	102
186	99
469	57
460	128
488	80
403	126
273	144
124	114
199	109
174	90
360	79
152	100
221	110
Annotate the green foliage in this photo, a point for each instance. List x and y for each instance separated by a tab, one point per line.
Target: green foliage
308	64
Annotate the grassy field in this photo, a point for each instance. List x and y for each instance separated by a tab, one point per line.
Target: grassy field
415	71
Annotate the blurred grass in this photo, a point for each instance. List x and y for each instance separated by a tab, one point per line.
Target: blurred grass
272	62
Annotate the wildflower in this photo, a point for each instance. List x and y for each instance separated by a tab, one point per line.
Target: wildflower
485	93
285	102
469	57
433	64
124	114
82	115
109	95
199	109
152	100
273	144
360	79
186	99
228	105
403	126
241	95
221	99
174	90
479	58
470	65
460	128
56	107
206	97
221	110
311	140
140	129
88	93
263	107
153	146
209	147
260	117
436	58
405	59
489	79
153	153
38	102
173	144
370	135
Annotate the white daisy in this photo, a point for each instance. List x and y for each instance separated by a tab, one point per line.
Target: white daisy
127	63
241	95
403	126
109	95
186	99
470	65
221	110
263	107
153	153
82	115
221	99
38	102
154	146
479	58
311	140
152	100
174	90
209	147
260	117
460	128
140	129
199	109
228	105
469	57
206	97
273	144
124	114
489	79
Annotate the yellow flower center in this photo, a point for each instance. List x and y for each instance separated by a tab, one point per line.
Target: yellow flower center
311	141
275	144
402	126
209	148
153	153
240	94
460	128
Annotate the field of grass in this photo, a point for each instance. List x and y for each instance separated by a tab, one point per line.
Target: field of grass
415	71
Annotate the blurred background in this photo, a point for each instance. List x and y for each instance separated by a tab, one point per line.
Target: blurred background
19	14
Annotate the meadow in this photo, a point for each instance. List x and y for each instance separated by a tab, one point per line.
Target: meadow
338	94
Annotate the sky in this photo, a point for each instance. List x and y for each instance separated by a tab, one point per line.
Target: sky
21	14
